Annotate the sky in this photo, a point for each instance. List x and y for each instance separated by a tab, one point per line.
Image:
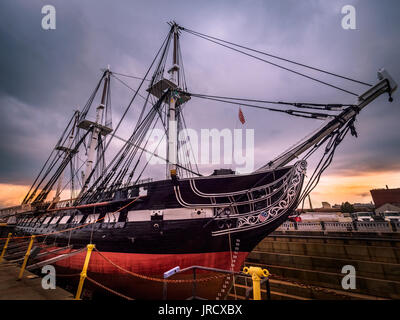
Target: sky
47	74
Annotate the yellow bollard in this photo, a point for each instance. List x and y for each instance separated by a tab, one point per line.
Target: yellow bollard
90	247
256	274
28	252
5	247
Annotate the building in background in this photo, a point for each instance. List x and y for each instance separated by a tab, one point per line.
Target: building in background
384	196
387	203
387	207
326	205
363	207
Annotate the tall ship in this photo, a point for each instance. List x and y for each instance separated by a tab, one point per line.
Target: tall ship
149	226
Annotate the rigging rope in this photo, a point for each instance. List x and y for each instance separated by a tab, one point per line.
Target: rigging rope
158	156
161	49
130	76
334	139
304	105
29	196
279	66
304	114
279	58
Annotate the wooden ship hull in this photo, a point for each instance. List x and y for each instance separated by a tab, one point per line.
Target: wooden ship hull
172	224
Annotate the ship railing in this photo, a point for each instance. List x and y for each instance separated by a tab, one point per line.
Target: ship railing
338	226
333	226
64	203
309	226
4	212
143	181
26	253
135	183
368	226
109	193
286	226
278	192
278	183
396	226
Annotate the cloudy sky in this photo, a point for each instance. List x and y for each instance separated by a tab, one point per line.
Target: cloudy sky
46	74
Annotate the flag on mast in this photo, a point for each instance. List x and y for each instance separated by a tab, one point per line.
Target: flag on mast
241	116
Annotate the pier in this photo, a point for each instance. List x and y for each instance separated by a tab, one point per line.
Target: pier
28	288
16	282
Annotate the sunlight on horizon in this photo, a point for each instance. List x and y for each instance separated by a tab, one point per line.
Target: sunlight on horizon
334	189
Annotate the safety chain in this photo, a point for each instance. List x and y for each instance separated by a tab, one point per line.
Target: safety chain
69	275
158	279
309	286
108	289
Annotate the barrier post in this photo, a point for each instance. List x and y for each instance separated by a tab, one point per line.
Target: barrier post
90	248
256	274
28	252
5	247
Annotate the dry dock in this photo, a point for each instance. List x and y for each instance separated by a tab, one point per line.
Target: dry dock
307	265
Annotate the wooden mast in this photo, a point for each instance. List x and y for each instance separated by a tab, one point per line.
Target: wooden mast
172	146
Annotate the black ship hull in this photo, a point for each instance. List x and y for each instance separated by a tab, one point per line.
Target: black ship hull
149	229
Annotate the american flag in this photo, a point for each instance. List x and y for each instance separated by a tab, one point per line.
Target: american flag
241	116
263	216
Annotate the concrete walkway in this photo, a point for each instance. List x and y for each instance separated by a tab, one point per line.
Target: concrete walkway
29	288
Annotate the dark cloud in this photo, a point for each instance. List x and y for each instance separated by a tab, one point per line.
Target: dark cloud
45	75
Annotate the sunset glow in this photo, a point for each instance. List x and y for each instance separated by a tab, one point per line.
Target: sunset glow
338	189
334	189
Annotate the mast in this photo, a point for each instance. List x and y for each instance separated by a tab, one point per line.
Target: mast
97	129
172	135
67	150
175	99
309	201
386	84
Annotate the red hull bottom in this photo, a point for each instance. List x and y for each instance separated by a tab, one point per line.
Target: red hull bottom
154	266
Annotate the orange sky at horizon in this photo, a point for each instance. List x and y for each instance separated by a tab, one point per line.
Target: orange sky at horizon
334	189
12	194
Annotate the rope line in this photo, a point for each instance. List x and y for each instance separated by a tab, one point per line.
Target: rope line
279	58
302	105
137	275
129	76
68	275
108	289
280	66
296	113
309	286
